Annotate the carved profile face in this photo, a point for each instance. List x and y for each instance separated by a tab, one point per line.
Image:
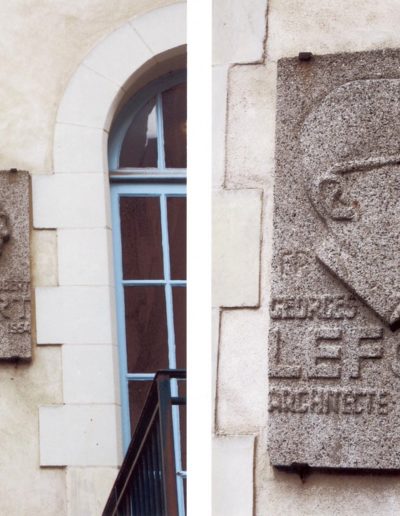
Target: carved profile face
4	231
351	146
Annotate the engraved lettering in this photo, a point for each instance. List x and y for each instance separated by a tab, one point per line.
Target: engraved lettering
366	350
348	401
383	403
358	402
316	402
276	368
330	402
19	327
333	402
288	402
293	262
22	287
275	401
15	309
3	307
328	352
322	308
395	365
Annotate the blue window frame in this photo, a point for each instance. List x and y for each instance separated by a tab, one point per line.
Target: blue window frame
124	120
160	184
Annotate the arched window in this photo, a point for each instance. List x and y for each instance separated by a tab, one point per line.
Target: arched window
148	136
147	162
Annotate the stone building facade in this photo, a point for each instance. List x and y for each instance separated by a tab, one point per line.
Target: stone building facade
67	68
249	39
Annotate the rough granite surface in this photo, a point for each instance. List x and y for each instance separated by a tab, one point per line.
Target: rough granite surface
334	342
15	276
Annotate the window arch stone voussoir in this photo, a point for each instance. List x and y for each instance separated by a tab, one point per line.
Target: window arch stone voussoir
103	79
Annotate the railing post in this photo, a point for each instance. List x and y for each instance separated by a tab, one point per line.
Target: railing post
146	484
167	446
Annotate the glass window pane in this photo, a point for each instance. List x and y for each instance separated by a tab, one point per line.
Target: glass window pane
139	148
174	117
146	329
141	238
179	301
138	391
177	236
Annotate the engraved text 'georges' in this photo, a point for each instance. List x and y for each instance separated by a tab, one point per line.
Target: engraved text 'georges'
322	307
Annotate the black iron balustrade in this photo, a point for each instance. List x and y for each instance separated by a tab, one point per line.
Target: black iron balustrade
146	484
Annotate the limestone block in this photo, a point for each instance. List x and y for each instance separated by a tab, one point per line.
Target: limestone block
70	201
238	31
219	101
250	139
214	358
89	100
44	258
88	490
79	435
130	48
329	495
236	247
90	374
232	475
162	28
322	28
46	488
92	154
74	315
85	257
23	388
242	371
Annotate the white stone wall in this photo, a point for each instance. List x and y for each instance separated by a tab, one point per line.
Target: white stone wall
60	414
249	38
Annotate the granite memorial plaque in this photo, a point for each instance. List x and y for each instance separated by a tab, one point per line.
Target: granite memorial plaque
15	286
334	340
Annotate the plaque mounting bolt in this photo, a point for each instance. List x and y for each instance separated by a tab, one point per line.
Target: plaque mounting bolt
305	56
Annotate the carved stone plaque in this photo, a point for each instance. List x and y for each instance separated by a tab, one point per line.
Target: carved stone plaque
15	286
334	341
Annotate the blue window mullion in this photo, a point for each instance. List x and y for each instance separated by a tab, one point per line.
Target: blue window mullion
172	349
168	288
120	300
140	376
133	283
144	283
160	134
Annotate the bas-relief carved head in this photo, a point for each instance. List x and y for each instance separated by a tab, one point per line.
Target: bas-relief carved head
4	231
351	153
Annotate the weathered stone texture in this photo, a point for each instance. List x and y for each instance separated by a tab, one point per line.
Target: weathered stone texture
335	306
242	371
251	113
232	475
44	258
236	230
239	27
339	26
15	278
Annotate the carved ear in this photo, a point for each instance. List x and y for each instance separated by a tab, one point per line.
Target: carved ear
330	201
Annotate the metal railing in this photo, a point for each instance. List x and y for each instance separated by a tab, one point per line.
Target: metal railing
147	483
